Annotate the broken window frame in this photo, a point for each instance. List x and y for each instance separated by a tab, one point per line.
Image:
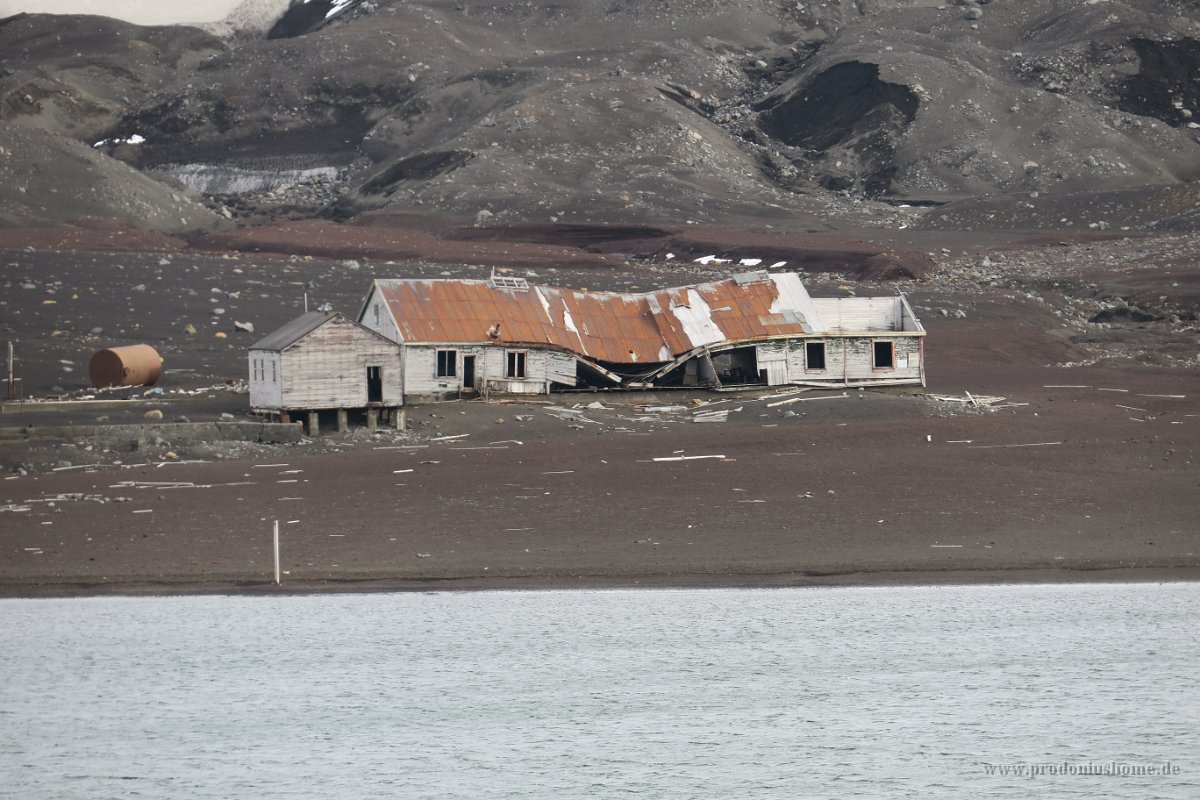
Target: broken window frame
445	363
814	343
875	365
274	371
513	359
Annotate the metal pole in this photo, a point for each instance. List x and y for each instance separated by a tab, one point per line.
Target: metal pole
306	302
276	552
12	385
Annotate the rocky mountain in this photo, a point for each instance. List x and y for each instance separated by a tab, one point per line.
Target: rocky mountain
802	115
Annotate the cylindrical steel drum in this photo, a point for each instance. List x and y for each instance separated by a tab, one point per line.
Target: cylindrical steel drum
135	365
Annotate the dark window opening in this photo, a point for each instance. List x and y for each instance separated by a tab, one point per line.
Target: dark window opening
447	363
516	365
885	355
814	355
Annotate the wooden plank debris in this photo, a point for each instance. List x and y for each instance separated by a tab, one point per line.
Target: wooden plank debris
972	399
995	446
685	458
778	395
808	399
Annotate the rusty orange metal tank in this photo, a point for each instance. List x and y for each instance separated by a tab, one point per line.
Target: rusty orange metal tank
135	365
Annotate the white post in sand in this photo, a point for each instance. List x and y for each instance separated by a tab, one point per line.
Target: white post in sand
276	552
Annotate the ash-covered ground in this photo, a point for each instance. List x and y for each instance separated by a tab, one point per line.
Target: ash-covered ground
1024	172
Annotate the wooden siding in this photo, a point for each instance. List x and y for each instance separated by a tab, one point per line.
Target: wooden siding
266	386
560	367
855	314
859	357
328	368
542	367
420	370
377	317
847	358
772	359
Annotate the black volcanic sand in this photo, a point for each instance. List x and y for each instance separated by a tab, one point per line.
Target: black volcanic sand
876	487
863	488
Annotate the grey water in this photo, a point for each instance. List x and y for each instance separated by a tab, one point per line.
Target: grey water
789	693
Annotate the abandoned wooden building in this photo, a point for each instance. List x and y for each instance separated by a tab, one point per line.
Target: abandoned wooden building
324	361
505	336
421	340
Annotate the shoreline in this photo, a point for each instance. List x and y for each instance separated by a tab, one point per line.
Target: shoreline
786	580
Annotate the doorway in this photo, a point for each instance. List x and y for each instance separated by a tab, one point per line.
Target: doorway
374	384
469	372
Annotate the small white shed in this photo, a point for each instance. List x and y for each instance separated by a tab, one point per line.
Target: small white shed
326	361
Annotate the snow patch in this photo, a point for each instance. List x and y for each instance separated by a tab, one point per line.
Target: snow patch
136	138
338	7
697	322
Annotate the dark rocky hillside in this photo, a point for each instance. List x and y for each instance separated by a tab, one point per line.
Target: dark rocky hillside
805	116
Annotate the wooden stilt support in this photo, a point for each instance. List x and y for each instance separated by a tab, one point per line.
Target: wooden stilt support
314	424
284	417
343	420
399	417
372	419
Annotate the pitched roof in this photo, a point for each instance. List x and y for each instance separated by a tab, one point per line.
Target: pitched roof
614	327
294	331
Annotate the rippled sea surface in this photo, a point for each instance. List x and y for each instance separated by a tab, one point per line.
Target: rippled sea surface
875	692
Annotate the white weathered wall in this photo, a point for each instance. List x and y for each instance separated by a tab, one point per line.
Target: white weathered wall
859	357
376	317
909	321
560	367
541	368
420	369
328	368
859	313
847	358
266	388
773	358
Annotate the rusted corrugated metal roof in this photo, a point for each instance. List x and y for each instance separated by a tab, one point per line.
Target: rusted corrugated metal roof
614	327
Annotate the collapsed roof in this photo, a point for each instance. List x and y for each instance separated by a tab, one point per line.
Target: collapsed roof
628	327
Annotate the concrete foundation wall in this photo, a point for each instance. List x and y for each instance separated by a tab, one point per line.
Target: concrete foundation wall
174	432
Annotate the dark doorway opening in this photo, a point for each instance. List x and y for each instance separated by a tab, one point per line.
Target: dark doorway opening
885	355
469	372
374	384
738	367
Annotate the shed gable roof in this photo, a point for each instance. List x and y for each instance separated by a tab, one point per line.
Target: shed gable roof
292	332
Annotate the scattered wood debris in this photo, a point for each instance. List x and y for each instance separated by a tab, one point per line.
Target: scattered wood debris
977	400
